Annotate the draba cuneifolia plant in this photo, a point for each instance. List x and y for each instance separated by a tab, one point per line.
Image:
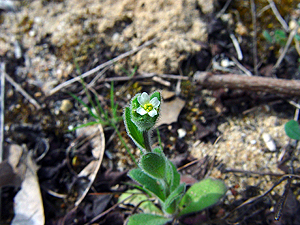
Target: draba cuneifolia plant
156	175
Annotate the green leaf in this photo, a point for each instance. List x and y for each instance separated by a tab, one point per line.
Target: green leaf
132	130
280	37
154	164
267	36
202	195
147	219
175	176
170	204
292	129
148	183
139	199
171	174
157	95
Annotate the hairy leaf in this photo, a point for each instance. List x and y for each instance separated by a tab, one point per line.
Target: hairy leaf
148	182
147	219
202	195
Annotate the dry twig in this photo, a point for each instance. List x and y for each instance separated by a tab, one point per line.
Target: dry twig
21	90
2	91
253	12
286	47
278	16
254	83
103	65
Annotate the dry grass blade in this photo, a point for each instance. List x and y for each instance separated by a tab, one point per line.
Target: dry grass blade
96	69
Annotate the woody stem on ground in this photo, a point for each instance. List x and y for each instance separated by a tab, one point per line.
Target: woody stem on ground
254	83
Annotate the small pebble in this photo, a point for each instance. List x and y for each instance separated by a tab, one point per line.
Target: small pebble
270	143
66	105
181	132
226	63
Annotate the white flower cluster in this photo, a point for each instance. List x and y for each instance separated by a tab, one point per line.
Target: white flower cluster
147	105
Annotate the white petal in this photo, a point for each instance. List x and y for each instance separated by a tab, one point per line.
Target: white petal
154	101
143	98
141	111
152	113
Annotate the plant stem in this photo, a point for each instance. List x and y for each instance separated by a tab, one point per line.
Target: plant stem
147	140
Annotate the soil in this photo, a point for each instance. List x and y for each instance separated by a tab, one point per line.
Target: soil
234	135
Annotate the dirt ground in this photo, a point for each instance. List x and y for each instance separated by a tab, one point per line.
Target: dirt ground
126	47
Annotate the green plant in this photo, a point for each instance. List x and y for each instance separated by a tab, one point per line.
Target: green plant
292	130
281	38
157	175
102	116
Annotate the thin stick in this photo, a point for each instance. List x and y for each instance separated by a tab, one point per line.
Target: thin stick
254	83
99	75
286	47
224	8
294	104
107	211
253	12
236	46
282	200
263	10
2	91
21	90
145	76
241	67
103	65
230	170
278	16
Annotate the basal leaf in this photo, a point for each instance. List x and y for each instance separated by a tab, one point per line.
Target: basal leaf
147	219
292	129
139	199
202	195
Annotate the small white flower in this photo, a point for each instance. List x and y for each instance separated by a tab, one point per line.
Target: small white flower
147	105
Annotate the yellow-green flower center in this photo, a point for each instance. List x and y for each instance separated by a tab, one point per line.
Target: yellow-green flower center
148	107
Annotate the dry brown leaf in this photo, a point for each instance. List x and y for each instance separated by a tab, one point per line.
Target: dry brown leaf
170	111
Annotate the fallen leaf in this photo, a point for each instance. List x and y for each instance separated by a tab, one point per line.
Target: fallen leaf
90	171
170	111
28	207
7	176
